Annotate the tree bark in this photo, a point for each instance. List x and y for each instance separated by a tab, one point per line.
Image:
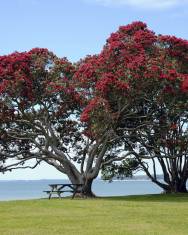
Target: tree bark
172	182
86	189
177	187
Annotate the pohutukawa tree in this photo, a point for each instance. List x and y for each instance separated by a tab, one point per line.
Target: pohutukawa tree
40	118
138	87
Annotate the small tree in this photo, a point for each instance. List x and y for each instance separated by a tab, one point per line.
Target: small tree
141	81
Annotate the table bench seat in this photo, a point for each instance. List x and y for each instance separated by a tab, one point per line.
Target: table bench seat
59	191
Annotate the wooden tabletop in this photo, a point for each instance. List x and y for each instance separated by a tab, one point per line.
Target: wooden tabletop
64	184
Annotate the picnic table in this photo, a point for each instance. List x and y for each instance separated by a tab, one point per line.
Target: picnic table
59	189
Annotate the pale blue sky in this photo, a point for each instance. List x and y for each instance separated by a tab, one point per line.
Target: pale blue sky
75	28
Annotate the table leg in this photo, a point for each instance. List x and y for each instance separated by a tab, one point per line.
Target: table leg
75	191
59	194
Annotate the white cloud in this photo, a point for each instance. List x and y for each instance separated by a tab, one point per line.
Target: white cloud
149	4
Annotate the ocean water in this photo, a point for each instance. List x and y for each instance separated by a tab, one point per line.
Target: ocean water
32	189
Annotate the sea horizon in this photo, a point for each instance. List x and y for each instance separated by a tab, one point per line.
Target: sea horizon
34	189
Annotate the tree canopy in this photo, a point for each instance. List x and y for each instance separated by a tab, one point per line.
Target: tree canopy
114	110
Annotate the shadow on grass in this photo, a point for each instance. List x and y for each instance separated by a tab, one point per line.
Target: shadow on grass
179	197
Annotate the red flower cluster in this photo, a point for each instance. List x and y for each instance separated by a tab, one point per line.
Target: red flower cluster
133	27
97	103
23	73
171	75
184	85
107	81
146	38
175	47
85	115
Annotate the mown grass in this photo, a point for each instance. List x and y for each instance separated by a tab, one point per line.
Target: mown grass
131	215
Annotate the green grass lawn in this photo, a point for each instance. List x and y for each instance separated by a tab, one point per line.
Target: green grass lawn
133	215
